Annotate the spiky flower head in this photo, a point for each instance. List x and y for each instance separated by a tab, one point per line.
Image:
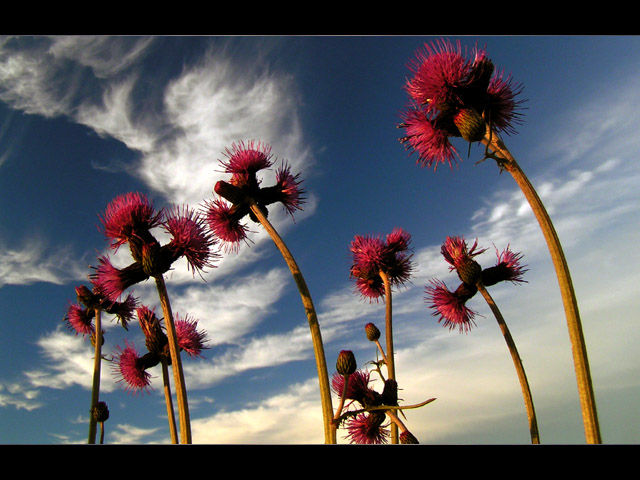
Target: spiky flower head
131	369
508	268
224	221
80	319
190	339
190	238
367	429
111	282
373	255
407	438
129	218
451	306
461	258
455	95
155	338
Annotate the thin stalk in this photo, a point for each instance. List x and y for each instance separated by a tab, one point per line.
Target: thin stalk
168	400
578	346
316	337
517	362
176	362
101	433
338	414
391	367
95	390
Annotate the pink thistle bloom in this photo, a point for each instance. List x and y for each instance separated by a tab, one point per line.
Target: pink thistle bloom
130	368
454	96
451	305
224	221
508	268
456	252
190	339
247	159
372	255
190	238
367	429
288	185
127	217
111	282
80	320
357	389
432	144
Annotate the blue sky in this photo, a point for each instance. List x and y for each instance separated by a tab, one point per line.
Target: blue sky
83	119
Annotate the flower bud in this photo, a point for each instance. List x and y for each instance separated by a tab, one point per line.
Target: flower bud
100	412
150	258
346	363
470	124
372	332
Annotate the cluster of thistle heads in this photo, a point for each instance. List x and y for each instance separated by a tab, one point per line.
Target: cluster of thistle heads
196	235
450	96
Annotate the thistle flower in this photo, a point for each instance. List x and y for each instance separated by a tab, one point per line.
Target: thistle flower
224	221
357	389
190	339
460	258
346	362
455	96
80	319
372	255
451	305
128	218
155	339
507	268
367	428
244	188
189	238
131	368
111	282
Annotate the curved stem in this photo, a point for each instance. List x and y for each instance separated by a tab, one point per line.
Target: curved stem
391	366
578	346
316	337
176	362
167	396
95	390
517	362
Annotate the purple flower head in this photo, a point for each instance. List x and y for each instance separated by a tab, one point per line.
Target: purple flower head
224	221
455	96
80	320
451	306
190	238
507	268
367	429
129	217
461	258
245	160
288	189
372	255
357	388
111	282
131	369
190	339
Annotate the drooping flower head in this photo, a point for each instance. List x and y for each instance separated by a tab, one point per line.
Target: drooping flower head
190	238
131	369
508	268
372	255
288	190
80	320
453	95
367	429
111	282
451	306
128	218
224	220
461	258
190	339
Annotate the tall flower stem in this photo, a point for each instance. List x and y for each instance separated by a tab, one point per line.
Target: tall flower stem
97	365
579	349
176	362
316	336
517	362
168	401
391	367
